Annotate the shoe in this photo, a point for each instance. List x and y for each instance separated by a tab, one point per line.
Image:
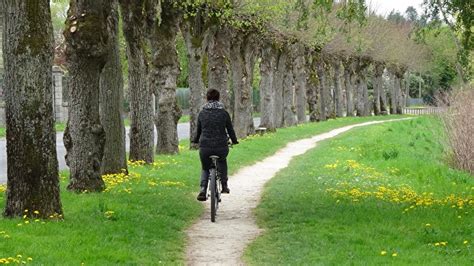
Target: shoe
225	189
202	194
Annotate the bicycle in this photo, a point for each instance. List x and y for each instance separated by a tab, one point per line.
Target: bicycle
215	187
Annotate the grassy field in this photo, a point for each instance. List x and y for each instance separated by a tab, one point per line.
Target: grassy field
141	217
377	195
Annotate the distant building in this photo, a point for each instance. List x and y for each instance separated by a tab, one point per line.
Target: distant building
60	93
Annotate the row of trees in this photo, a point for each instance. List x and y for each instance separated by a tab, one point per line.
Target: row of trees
316	55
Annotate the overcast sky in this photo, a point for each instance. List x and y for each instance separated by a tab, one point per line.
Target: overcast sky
383	7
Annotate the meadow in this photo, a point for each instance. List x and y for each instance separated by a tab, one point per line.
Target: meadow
381	194
141	217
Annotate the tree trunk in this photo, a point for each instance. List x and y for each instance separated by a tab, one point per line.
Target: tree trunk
301	75
378	88
33	181
289	109
194	38
395	87
111	101
87	40
242	55
278	87
165	71
267	89
218	62
312	92
141	97
338	89
322	90
349	89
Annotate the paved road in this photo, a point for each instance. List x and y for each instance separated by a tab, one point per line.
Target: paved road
183	133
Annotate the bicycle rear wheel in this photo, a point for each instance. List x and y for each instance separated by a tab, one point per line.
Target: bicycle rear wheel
214	200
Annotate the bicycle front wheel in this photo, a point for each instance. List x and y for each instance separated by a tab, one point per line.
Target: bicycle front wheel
213	188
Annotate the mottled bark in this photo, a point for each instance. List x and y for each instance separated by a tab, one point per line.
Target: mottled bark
87	39
338	98
33	181
378	88
194	38
111	102
165	71
289	109
267	89
278	87
141	97
242	54
322	90
312	93
362	103
218	63
348	85
301	75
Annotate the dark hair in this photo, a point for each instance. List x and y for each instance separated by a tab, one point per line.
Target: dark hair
212	95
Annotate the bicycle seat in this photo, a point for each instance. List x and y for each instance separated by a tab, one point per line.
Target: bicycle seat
214	157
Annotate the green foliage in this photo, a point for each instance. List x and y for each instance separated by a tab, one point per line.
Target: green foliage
344	203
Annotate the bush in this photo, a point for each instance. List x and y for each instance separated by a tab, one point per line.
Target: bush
459	125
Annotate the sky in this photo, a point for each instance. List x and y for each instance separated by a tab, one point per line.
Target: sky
383	7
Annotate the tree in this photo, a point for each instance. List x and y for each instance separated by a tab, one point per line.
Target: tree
458	16
111	101
33	181
87	41
194	29
242	54
134	13
164	69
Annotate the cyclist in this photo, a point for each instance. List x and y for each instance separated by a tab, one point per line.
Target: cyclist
214	128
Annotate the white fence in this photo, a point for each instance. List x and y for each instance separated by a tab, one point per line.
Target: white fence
423	110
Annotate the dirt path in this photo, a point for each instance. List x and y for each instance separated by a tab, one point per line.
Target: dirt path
223	242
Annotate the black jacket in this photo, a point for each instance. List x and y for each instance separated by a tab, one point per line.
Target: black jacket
214	127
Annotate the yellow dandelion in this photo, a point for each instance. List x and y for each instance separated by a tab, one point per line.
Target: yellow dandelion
465	242
383	253
36	212
394	254
427	225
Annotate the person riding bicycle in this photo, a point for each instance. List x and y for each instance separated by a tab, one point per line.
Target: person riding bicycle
214	128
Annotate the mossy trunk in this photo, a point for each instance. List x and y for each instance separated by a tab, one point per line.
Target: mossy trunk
218	64
338	95
278	87
242	54
267	88
141	96
312	92
33	181
301	75
378	88
165	71
323	115
87	40
111	102
289	109
194	38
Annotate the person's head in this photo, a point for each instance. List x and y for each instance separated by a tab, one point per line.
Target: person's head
212	95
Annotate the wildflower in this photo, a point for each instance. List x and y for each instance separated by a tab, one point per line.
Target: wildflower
36	212
427	225
465	242
29	259
394	254
383	253
436	244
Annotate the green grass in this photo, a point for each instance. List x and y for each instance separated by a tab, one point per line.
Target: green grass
151	209
365	193
3	132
